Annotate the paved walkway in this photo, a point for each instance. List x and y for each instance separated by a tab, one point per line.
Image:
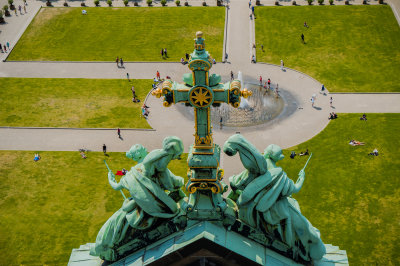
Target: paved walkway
286	131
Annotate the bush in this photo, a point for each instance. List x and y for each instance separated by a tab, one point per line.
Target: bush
109	2
364	2
219	3
163	2
149	2
5	7
1	17
65	3
204	3
310	2
258	2
83	4
10	2
276	3
96	2
381	2
136	4
321	2
331	2
178	3
294	3
126	2
347	2
186	3
48	3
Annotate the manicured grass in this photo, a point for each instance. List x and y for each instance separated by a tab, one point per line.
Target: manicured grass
84	103
348	48
351	197
135	34
56	204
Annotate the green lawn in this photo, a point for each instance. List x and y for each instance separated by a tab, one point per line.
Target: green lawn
135	34
51	206
353	198
348	48
84	103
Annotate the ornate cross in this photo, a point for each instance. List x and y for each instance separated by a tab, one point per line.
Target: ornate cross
200	90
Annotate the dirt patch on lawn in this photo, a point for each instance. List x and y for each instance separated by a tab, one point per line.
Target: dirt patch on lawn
46	14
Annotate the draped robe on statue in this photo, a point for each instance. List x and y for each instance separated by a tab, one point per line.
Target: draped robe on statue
146	183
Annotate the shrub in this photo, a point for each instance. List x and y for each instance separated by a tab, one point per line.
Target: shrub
276	3
83	4
320	2
204	3
347	2
96	2
48	3
364	2
219	3
294	3
136	4
10	2
126	2
310	2
258	2
381	2
186	3
5	7
65	3
331	2
109	2
149	2
178	3
1	17
163	2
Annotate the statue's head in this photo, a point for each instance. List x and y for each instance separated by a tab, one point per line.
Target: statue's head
199	34
274	152
137	153
174	146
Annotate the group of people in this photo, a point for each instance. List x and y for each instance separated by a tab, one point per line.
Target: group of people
354	142
364	117
145	110
5	47
164	53
332	115
120	62
302	153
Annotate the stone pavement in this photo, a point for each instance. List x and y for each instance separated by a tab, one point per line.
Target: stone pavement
288	130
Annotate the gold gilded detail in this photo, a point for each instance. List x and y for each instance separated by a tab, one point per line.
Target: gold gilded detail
200	96
157	92
246	93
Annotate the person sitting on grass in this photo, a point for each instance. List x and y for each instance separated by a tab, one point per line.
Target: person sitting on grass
374	152
37	157
356	143
304	153
83	155
364	117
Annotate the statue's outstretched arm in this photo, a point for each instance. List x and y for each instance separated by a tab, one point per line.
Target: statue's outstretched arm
114	184
251	158
300	181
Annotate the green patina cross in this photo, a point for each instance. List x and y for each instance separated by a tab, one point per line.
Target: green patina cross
201	90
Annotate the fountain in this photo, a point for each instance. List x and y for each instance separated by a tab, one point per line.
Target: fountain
262	107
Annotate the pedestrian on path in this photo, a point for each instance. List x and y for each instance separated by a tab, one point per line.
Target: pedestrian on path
121	62
158	75
119	133
165	52
226	58
15	10
282	64
277	91
313	97
104	149
302	38
117	61
8	45
269	83
162	52
20	9
260	81
25	7
1	48
133	92
232	76
322	89
5	48
252	10
220	123
331	101
25	3
127	76
187	56
250	4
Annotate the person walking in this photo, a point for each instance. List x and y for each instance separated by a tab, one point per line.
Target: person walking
331	101
187	56
162	52
262	47
133	92
25	7
20	9
5	48
117	61
121	62
323	89
220	123
250	4
165	52
1	48
104	149
119	133
282	64
158	75
260	81
302	38
127	76
232	76
269	83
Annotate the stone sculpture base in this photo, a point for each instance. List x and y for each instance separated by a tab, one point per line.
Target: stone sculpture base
208	241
